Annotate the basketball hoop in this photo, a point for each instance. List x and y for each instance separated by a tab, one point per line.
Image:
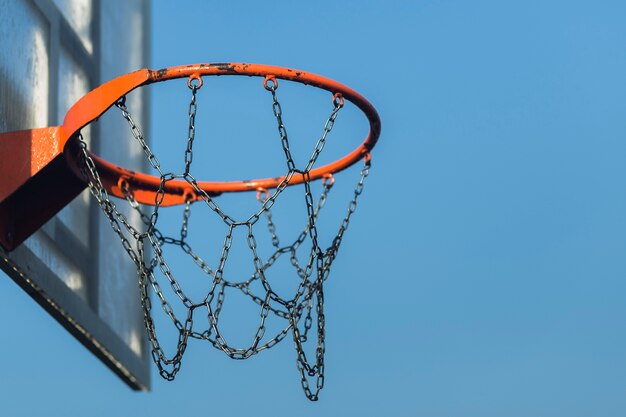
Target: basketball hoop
143	192
146	186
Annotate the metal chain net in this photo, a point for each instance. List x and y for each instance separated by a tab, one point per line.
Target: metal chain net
145	248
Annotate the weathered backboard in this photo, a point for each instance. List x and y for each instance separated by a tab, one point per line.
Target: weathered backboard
51	53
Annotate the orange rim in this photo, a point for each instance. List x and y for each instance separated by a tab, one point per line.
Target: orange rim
144	186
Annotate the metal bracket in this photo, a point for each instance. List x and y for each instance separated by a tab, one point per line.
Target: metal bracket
37	182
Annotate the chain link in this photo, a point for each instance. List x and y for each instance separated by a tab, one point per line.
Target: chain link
299	312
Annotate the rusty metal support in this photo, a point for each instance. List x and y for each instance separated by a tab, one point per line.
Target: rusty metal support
33	169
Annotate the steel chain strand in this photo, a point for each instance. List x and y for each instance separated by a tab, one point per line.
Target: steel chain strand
258	265
210	202
312	229
277	312
166	306
186	215
267	204
298	340
158	355
317	369
311	211
197	259
167	271
220	342
305	273
221	295
334	248
184	246
244	287
128	195
282	131
281	335
164	267
323	271
156	245
239	353
220	301
328	126
184	330
320	205
271	228
302	361
191	131
156	352
138	135
260	270
321	326
271	260
308	322
101	196
98	191
268	345
120	217
284	139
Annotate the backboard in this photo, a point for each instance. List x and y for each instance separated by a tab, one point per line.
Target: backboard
52	53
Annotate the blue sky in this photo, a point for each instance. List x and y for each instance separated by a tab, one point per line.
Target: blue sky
484	273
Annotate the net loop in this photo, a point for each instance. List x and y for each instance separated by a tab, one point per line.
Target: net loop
121	102
338	100
194	82
262	195
189	195
270	83
328	180
124	185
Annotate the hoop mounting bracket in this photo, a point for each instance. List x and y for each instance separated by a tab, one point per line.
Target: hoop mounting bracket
33	169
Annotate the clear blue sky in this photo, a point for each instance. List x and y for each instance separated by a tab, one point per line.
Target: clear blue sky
485	271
